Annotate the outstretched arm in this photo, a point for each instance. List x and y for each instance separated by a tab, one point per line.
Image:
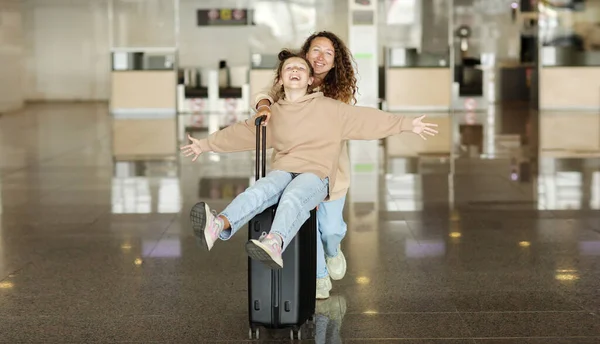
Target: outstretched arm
238	137
365	123
263	101
264	96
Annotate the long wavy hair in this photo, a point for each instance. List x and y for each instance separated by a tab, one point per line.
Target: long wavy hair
283	56
340	81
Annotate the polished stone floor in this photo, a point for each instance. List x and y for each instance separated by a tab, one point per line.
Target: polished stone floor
489	235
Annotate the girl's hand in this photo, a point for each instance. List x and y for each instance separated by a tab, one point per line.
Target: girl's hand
192	149
264	110
421	128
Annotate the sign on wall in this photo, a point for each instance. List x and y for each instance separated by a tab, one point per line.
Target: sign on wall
224	17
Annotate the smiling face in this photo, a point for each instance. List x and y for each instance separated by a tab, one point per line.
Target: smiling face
321	55
295	74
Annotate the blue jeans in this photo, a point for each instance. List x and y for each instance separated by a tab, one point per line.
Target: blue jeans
332	229
296	196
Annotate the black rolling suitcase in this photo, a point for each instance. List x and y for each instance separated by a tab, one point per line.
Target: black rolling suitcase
283	298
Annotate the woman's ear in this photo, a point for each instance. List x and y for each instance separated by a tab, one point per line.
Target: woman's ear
311	80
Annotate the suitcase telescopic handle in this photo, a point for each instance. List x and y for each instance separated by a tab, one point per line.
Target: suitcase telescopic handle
261	147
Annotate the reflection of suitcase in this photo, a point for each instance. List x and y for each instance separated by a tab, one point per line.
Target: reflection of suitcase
283	298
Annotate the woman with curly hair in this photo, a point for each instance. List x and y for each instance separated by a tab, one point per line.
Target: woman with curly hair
334	76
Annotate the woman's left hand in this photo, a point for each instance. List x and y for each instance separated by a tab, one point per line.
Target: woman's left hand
420	127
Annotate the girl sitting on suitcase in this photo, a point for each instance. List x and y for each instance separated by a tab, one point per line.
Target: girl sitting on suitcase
306	131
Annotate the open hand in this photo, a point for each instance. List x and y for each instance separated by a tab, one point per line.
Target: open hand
421	128
192	149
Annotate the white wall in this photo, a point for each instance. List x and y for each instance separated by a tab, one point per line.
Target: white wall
66	49
205	46
11	56
66	42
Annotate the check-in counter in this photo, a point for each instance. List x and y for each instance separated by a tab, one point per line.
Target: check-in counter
212	90
139	92
143	105
143	83
417	82
569	79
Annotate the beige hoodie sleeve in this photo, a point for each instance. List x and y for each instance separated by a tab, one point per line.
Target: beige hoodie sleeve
238	137
266	93
365	123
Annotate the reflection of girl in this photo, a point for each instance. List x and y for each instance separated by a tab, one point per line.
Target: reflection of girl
306	131
334	76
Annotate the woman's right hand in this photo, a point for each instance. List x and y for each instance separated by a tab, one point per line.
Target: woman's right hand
264	110
192	149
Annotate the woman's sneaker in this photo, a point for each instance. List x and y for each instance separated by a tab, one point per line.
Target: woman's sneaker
206	225
266	249
336	265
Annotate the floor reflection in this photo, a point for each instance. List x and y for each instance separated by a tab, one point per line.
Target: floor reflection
329	315
144	187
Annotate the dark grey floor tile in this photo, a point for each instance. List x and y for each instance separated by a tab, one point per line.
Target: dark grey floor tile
532	324
412	341
586	298
497	301
406	325
365	298
542	340
109	328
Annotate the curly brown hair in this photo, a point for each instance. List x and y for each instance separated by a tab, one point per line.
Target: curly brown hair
283	56
340	81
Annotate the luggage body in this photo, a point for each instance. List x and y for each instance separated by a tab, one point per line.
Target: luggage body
282	298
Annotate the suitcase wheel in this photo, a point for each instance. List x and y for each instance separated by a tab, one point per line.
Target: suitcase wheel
254	333
295	333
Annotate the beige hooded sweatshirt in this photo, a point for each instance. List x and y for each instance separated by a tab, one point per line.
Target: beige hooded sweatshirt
307	133
343	173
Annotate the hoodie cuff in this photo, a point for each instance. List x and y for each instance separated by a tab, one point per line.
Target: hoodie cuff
261	97
406	124
204	145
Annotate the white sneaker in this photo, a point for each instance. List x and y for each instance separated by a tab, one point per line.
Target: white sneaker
337	265
323	288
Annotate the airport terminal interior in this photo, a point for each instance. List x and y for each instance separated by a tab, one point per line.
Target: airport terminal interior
488	233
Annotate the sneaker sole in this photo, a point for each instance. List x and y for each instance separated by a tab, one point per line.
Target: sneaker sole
198	219
256	252
321	297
